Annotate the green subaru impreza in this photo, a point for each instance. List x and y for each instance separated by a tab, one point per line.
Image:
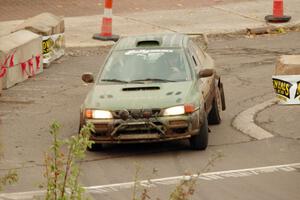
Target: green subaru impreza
154	88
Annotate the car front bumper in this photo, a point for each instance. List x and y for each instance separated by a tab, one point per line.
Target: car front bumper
145	130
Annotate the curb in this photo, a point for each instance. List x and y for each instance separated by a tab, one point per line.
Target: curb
244	121
259	30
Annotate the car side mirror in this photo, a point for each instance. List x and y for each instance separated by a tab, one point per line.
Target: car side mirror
88	78
203	73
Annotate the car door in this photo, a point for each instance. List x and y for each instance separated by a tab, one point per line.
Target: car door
207	85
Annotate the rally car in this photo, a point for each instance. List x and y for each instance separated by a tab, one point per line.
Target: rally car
154	88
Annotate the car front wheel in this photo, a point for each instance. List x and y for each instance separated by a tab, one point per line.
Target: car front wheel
200	141
95	147
214	116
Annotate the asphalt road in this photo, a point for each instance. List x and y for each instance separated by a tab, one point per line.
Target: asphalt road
16	9
246	66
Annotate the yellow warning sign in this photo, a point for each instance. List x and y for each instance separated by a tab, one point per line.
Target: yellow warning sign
47	45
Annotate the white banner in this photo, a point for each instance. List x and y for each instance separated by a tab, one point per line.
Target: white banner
287	88
53	47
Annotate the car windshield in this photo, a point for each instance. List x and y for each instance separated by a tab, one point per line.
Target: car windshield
155	65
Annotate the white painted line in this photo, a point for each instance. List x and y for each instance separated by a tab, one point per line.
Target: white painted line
244	121
210	176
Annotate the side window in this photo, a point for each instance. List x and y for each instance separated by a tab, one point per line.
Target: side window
194	56
195	61
198	51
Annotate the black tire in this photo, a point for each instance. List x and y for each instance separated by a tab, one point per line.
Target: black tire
95	147
79	129
222	96
200	141
214	114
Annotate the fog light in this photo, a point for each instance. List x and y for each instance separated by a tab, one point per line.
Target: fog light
178	123
101	126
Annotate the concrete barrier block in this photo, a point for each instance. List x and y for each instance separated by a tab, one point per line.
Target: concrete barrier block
13	76
286	80
19	46
52	29
21	72
43	24
288	65
20	57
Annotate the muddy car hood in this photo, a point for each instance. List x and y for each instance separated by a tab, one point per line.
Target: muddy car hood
140	96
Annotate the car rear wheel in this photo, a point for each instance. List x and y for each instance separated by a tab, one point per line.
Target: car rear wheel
200	141
214	116
222	96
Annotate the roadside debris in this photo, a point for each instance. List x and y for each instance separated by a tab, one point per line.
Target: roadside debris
270	30
261	30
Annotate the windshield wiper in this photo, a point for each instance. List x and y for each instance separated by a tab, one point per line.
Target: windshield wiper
152	79
119	81
114	80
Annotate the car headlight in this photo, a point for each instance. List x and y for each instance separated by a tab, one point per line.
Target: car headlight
176	110
98	114
179	110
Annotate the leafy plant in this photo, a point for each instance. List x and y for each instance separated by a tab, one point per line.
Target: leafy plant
62	170
281	30
184	190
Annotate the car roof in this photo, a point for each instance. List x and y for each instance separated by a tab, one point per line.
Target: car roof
173	40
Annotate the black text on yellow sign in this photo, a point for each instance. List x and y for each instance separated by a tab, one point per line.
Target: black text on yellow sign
282	87
297	90
47	45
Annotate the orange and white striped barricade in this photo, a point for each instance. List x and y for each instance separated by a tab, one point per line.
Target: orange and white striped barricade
278	16
106	27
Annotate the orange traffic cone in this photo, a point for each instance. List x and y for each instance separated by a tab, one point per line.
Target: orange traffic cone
277	16
106	29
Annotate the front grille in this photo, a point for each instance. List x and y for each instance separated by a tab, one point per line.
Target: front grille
133	132
102	127
139	113
139	128
179	130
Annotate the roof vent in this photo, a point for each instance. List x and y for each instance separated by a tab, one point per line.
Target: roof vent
148	43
